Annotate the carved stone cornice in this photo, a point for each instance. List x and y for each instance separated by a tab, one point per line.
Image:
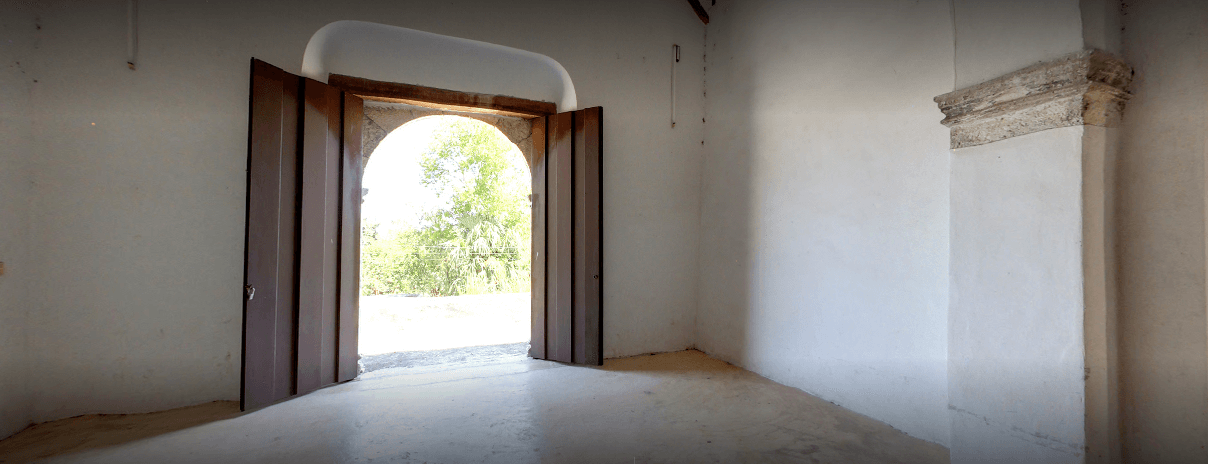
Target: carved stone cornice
1084	88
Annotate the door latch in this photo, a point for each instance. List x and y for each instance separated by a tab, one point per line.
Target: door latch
249	292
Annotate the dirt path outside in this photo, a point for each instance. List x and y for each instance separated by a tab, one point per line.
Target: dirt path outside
412	362
394	323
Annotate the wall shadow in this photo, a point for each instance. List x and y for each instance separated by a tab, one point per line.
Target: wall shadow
97	431
726	216
674	362
1160	236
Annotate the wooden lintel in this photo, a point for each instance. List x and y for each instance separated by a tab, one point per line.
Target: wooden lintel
430	97
700	11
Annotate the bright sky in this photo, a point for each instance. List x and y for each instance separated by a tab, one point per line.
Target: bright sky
393	174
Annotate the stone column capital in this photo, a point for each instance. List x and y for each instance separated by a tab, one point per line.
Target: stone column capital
1089	87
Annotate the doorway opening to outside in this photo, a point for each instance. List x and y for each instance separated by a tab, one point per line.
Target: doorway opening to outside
445	247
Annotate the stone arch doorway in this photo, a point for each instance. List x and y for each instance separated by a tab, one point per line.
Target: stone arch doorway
428	301
392	64
305	159
383	118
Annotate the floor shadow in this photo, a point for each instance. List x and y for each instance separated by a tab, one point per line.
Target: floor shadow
94	431
675	362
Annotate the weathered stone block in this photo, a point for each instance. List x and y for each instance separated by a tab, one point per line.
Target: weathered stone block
1085	88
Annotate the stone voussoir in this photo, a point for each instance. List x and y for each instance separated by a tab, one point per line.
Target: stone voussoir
1089	87
382	118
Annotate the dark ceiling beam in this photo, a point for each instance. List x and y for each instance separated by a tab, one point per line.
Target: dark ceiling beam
700	11
430	97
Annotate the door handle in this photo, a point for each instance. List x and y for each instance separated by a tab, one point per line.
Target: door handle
249	292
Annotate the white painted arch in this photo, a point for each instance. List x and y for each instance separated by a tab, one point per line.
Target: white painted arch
396	54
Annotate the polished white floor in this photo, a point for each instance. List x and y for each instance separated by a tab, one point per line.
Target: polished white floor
675	407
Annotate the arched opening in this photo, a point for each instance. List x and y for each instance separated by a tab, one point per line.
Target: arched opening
446	244
306	157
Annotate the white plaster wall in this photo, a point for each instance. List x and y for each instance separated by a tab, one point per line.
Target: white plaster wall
18	26
1100	156
995	37
1015	341
140	230
824	247
1016	315
1161	225
1101	26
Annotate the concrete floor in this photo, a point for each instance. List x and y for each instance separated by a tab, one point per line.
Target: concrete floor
674	407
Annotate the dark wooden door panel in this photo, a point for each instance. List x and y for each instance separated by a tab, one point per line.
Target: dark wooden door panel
314	237
537	292
578	212
560	236
287	242
303	236
260	269
350	237
587	316
594	145
568	323
331	234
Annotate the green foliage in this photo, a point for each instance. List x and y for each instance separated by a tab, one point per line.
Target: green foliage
477	242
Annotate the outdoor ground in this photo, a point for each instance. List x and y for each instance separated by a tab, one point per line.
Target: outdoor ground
401	331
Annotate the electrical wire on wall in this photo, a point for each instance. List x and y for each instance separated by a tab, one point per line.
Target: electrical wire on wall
132	34
675	50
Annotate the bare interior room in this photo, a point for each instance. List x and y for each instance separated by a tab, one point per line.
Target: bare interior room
861	231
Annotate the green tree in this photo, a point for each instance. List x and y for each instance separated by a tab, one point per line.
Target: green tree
477	241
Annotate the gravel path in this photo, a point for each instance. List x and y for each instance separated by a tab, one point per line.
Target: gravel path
451	358
395	323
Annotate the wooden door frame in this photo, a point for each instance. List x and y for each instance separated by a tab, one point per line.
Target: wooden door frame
470	102
566	293
431	97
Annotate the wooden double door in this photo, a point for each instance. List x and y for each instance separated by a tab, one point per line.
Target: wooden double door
302	267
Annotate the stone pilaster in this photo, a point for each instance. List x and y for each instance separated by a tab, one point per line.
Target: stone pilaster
1031	333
